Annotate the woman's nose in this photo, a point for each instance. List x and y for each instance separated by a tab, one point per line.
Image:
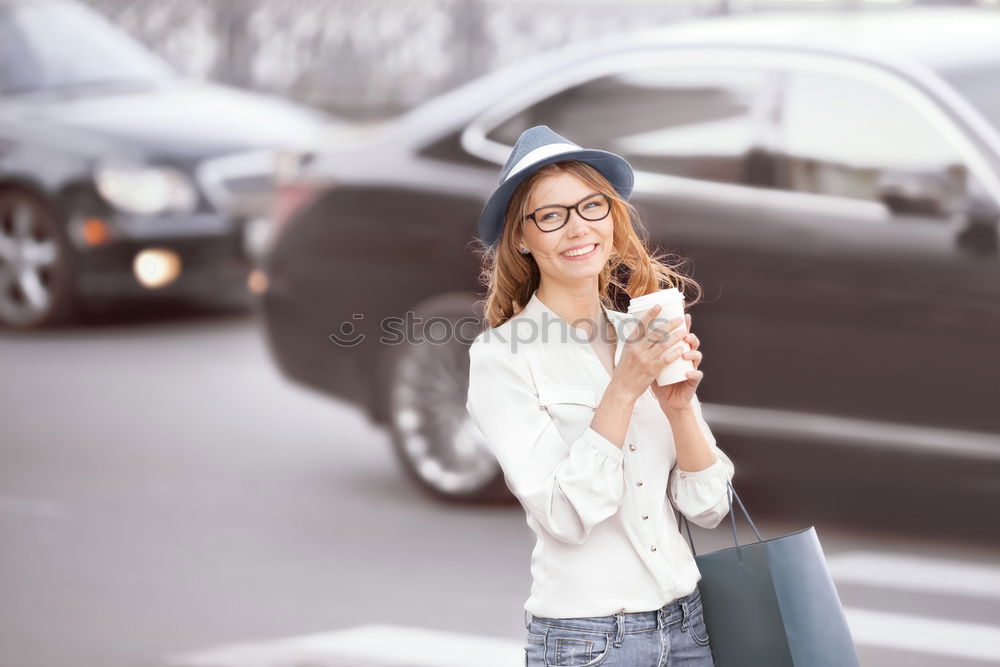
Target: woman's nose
576	223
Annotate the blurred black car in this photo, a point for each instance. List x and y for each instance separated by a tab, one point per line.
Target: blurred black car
835	180
110	168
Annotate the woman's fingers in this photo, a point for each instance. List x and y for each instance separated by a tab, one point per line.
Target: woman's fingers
640	330
647	320
694	356
672	339
660	328
675	353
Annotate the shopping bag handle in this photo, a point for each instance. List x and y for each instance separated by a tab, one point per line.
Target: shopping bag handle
732	518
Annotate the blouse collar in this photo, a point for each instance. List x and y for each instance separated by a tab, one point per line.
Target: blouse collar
535	308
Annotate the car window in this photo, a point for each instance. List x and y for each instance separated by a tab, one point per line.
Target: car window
696	121
11	50
449	149
978	85
41	46
852	138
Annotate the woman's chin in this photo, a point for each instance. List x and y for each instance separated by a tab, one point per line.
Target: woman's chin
582	270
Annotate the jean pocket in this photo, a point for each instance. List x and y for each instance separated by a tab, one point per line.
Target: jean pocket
699	632
565	647
534	648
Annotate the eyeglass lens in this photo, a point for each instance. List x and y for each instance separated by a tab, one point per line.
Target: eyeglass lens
592	208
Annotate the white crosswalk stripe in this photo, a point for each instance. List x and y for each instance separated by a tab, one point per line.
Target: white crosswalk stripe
364	646
399	646
933	576
916	573
918	634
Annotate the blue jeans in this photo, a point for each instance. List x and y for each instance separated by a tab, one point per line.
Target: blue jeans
672	636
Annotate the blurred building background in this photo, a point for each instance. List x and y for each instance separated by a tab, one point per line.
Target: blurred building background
366	59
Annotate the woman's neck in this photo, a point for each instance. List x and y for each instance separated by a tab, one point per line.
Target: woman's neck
578	307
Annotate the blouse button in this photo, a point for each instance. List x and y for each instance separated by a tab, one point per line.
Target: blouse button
631	447
639	483
684	474
645	516
652	548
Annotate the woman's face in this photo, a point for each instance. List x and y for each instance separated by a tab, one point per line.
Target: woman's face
549	248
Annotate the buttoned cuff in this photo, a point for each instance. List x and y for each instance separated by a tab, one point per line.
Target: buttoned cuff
699	475
603	445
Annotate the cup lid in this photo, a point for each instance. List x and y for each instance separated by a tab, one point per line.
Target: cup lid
663	297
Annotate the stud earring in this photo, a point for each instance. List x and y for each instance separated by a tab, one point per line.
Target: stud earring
524	251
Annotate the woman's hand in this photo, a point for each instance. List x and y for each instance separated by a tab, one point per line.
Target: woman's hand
677	397
646	352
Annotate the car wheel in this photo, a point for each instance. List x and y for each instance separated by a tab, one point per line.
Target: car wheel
36	274
426	386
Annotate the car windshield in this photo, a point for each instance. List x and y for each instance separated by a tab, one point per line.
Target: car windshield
64	44
978	85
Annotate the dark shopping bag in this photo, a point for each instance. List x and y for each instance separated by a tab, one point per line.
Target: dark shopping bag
772	603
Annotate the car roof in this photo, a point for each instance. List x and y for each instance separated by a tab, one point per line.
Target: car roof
29	2
916	36
940	38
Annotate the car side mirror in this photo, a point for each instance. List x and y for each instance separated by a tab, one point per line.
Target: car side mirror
979	236
936	193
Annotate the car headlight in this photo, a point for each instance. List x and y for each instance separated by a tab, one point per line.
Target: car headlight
146	190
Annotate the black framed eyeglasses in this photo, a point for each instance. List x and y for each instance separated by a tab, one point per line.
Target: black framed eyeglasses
592	207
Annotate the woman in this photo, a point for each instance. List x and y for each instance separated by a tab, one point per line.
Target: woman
596	452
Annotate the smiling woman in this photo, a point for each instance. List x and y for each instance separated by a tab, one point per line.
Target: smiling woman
533	222
597	456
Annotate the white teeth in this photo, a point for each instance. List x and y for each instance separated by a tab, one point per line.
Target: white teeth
580	251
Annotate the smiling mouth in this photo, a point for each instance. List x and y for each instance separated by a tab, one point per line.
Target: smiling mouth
581	252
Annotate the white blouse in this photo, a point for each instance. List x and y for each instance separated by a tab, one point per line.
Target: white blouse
606	535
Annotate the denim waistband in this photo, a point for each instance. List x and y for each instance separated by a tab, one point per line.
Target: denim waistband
627	621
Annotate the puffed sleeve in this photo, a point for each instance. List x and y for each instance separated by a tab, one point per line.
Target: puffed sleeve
568	487
702	496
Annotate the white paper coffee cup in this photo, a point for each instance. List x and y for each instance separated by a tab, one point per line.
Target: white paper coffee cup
671	302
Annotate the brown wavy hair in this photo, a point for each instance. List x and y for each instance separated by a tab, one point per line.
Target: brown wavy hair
510	278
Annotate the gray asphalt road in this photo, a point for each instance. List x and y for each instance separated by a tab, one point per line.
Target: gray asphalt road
167	497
